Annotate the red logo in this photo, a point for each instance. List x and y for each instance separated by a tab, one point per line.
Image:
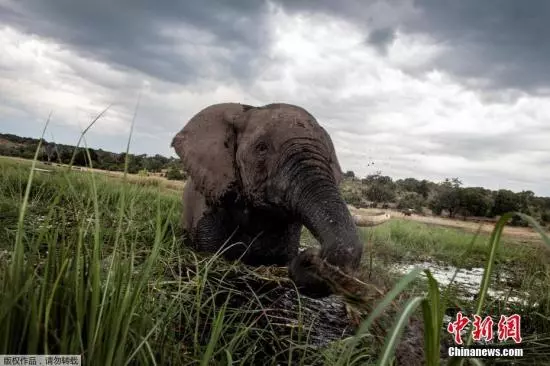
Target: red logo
508	327
457	326
483	329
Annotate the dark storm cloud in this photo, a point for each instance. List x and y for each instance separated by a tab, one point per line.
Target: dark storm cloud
505	41
188	54
493	44
130	33
380	38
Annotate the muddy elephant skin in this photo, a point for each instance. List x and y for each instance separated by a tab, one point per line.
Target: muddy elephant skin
257	175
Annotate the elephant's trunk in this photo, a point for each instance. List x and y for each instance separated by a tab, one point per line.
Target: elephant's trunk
320	207
312	195
325	214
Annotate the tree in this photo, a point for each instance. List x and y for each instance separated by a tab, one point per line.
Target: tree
65	154
49	153
381	188
349	174
81	157
155	163
424	188
414	185
380	193
411	200
377	178
352	197
174	173
475	201
543	206
525	199
505	201
121	158
108	161
447	198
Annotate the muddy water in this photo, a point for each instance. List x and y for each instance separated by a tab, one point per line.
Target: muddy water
467	281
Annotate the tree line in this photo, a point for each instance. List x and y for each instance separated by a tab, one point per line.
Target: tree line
376	190
25	147
447	198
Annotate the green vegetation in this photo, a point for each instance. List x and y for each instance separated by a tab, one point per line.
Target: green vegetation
405	241
94	265
25	147
447	198
376	190
174	173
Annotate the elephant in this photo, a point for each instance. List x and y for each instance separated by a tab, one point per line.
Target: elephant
257	175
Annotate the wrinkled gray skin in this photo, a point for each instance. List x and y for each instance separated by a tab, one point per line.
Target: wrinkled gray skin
257	174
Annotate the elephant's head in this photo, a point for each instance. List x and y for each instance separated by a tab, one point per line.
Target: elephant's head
276	156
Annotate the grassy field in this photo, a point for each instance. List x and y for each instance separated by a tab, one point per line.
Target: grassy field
94	264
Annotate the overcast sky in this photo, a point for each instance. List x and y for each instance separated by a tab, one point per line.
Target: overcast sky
426	89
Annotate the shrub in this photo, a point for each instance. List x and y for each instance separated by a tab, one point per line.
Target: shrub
174	174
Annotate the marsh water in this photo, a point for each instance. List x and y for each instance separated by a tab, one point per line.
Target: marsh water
468	281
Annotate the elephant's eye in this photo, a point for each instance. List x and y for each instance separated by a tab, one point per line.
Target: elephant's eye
261	147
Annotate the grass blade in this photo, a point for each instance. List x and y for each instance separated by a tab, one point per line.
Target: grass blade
395	333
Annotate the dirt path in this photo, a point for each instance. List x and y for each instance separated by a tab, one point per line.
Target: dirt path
524	233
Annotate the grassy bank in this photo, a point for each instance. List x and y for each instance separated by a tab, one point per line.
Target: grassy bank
96	266
404	240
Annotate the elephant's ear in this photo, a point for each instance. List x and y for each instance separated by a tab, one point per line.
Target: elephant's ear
334	164
206	146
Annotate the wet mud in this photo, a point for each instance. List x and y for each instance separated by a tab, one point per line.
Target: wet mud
284	320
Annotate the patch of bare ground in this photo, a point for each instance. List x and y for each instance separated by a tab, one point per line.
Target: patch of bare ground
521	233
172	185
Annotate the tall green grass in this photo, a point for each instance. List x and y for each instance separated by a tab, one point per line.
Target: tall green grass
96	267
408	240
56	297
